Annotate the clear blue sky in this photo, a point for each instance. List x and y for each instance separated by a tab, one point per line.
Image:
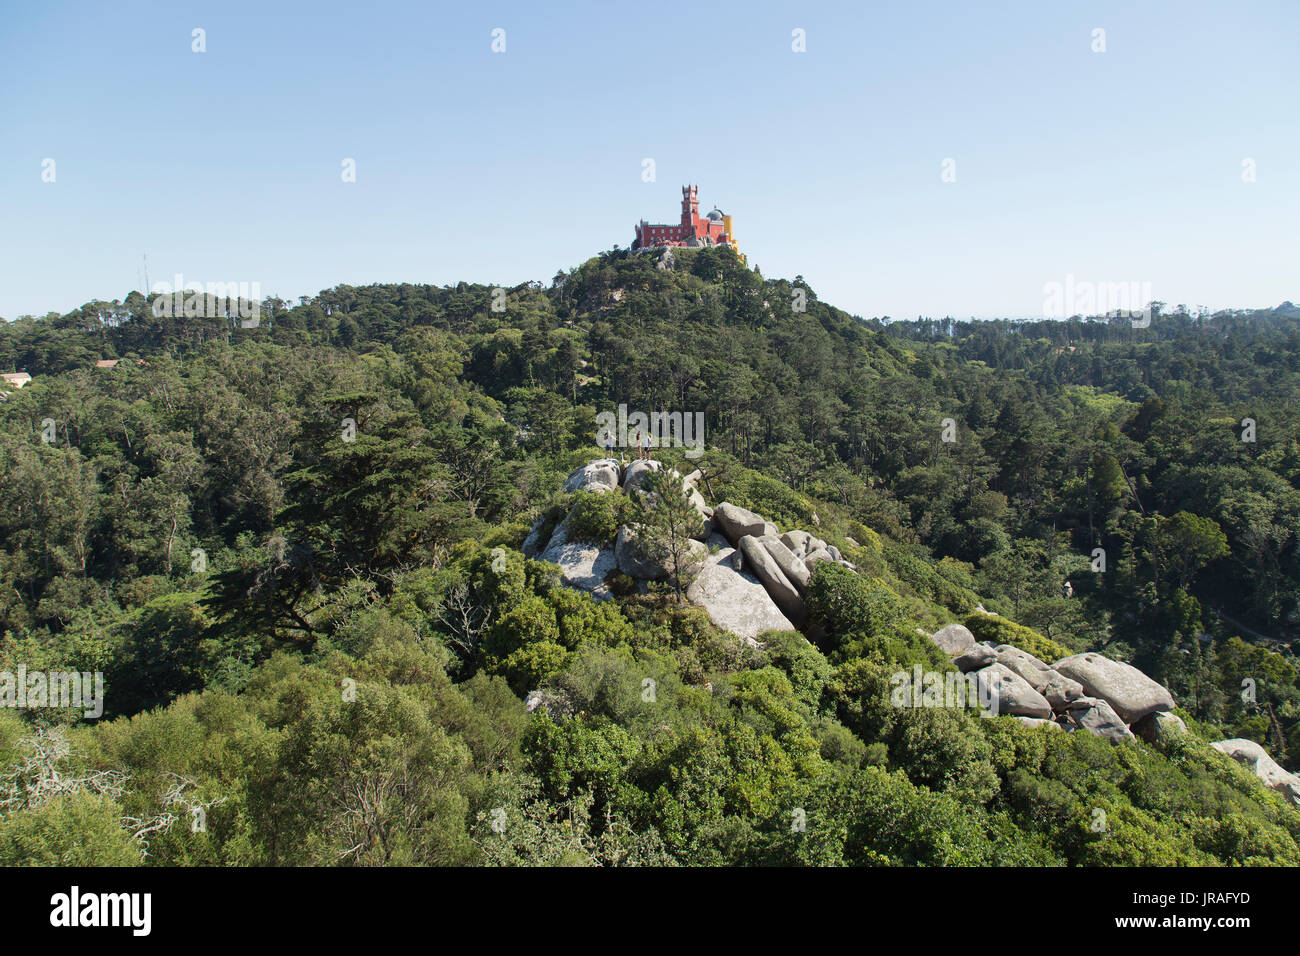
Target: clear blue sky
499	168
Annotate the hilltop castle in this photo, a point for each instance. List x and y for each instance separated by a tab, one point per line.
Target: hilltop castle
693	231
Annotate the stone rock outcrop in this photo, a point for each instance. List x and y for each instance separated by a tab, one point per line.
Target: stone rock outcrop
735	600
1023	663
599	475
953	639
1010	693
549	702
976	657
792	566
637	471
815	557
1159	726
697	499
797	542
582	565
812	549
634	564
753	579
1060	691
1251	755
1056	687
1131	693
723	551
736	522
766	569
1098	717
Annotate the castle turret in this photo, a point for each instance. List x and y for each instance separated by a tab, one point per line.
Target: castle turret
690	207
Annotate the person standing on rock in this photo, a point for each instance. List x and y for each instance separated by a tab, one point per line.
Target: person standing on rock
645	445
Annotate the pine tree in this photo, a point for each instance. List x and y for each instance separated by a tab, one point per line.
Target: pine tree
670	521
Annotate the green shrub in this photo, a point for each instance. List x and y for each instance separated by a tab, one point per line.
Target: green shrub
803	664
530	666
81	829
924	581
595	516
864	617
847	603
531	621
991	627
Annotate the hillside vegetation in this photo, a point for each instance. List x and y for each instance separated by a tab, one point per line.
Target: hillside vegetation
316	637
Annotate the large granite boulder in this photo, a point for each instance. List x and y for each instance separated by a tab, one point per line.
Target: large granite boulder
791	565
1023	663
1010	693
1056	687
582	565
721	551
1098	717
637	471
696	498
736	522
1060	691
953	639
1159	726
599	475
1251	755
633	562
797	542
815	557
975	657
635	475
553	703
735	600
765	568
1131	693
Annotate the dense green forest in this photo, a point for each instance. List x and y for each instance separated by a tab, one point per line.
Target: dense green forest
321	646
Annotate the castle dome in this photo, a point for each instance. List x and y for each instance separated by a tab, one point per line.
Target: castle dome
715	214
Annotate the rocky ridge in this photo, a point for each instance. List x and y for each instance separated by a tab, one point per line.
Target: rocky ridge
748	576
752	578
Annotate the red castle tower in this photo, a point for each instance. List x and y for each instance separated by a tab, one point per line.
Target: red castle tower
694	231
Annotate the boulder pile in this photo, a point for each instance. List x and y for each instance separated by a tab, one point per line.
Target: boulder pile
781	563
748	576
1083	692
586	566
735	599
1090	692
